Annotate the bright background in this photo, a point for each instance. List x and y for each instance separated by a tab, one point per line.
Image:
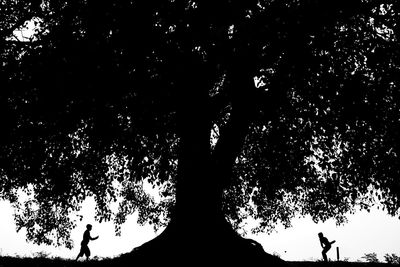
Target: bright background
364	233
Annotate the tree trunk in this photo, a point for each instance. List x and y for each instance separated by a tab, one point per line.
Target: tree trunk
198	231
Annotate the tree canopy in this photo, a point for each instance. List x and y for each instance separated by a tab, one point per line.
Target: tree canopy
298	101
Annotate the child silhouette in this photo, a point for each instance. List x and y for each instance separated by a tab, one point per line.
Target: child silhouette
84	244
325	244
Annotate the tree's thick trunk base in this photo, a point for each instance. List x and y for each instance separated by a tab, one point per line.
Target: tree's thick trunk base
214	247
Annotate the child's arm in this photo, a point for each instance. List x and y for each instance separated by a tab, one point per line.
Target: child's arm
94	238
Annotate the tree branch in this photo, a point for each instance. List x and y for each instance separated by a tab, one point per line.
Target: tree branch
217	103
233	133
23	44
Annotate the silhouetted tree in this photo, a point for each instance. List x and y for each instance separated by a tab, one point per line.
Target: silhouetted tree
231	109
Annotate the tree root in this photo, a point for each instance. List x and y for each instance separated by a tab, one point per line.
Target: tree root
220	248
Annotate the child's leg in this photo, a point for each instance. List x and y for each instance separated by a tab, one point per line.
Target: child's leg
324	251
324	256
87	253
79	255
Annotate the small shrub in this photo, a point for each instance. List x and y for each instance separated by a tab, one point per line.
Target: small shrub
370	257
392	258
41	254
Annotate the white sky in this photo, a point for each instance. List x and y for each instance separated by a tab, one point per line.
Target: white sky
365	233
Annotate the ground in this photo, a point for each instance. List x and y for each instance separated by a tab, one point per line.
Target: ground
47	262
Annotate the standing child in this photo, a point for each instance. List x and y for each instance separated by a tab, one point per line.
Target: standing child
84	244
325	244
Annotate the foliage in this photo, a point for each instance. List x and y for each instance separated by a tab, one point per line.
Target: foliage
301	98
370	257
392	258
41	254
